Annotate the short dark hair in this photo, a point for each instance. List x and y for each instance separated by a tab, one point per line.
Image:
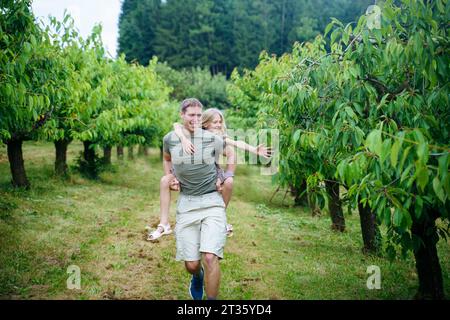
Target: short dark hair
190	102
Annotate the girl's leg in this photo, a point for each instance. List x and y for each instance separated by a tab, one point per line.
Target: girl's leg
164	205
164	198
226	195
227	191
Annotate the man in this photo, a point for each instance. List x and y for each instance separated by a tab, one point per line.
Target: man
201	221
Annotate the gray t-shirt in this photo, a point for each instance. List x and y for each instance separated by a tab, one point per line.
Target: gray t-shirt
196	173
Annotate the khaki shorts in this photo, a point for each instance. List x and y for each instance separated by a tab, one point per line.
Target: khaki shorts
201	226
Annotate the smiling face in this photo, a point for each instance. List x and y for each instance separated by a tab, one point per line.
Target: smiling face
215	125
192	118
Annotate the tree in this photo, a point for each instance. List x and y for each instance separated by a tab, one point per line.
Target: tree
30	82
373	113
223	34
138	21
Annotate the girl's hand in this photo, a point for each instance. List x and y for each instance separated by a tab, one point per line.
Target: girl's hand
187	145
174	185
262	150
219	185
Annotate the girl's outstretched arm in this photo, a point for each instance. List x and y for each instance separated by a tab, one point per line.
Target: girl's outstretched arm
188	147
261	149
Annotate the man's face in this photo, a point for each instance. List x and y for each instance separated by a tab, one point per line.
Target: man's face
192	118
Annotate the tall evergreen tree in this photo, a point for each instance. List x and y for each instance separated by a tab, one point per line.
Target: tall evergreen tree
223	34
137	26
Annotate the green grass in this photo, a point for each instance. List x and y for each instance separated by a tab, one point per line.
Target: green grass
277	252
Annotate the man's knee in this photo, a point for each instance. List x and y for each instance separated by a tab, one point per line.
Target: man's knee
210	259
192	266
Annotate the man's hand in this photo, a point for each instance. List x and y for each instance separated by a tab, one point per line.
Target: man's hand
219	185
174	185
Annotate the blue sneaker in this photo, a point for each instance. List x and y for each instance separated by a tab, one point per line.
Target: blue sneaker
196	286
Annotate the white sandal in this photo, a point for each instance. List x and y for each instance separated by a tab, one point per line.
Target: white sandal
157	233
229	230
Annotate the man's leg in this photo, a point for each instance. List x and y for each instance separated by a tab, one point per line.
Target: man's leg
193	267
196	285
212	275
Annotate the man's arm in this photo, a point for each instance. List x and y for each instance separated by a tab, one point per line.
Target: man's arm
167	163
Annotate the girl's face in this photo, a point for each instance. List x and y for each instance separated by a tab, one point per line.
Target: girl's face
216	124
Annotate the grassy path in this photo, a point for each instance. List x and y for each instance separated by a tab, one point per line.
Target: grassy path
277	251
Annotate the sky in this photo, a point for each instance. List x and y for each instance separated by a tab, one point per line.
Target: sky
86	14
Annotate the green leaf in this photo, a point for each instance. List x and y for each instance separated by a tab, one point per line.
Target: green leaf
437	187
351	113
404	156
31	103
394	152
383	101
385	149
26	47
421	175
328	28
377	34
440	6
398	216
388	12
345	37
33	40
405	173
443	166
296	136
8	89
335	34
374	142
422	152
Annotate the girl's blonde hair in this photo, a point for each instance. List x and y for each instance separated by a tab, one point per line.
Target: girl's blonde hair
208	116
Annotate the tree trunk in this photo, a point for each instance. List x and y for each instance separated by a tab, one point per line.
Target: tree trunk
315	210
299	198
61	156
89	154
427	260
283	16
89	166
161	152
142	151
120	152
131	152
15	157
369	229
335	206
107	154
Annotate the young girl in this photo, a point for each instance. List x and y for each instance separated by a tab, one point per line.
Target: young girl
213	121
